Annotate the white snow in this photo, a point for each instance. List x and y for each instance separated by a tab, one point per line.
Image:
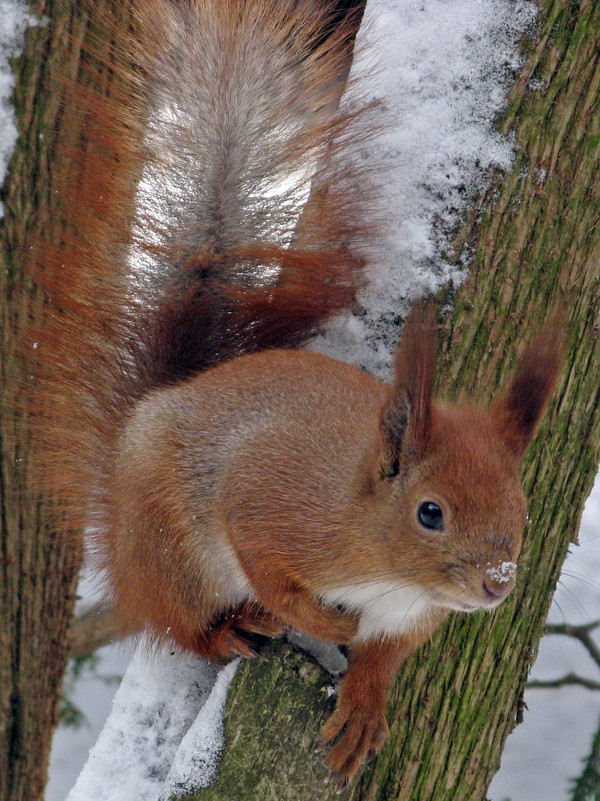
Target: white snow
442	68
15	17
327	654
196	760
503	573
164	728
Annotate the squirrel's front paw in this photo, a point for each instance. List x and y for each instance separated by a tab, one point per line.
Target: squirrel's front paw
362	731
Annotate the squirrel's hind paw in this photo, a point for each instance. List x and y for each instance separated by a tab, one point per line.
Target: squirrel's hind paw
241	632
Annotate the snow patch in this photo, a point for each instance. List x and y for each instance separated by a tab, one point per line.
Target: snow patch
15	18
197	757
327	654
442	69
164	731
502	573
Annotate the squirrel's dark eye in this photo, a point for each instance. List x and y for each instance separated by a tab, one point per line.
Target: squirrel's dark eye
430	516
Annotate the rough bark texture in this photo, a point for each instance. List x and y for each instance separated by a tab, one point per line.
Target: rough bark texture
35	586
538	240
37	565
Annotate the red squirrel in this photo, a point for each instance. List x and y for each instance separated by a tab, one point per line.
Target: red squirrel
232	483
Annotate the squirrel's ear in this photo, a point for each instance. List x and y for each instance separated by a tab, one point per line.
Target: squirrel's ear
406	417
521	405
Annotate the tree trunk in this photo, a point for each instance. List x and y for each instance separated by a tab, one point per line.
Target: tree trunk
38	566
537	240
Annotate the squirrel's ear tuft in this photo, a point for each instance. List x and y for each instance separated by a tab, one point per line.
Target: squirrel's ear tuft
521	405
406	417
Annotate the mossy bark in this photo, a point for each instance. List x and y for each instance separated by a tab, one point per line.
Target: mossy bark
537	242
38	566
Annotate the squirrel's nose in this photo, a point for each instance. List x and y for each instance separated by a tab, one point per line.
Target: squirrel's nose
499	581
493	591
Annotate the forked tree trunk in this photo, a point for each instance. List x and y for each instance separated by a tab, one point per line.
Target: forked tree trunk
457	699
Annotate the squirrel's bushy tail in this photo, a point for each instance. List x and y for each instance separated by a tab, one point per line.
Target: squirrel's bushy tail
213	207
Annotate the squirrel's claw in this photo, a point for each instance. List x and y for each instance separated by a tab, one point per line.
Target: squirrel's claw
362	734
242	632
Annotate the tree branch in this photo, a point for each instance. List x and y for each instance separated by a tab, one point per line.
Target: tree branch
581	633
92	629
569	678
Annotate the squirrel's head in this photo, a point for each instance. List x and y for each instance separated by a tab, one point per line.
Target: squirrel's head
449	474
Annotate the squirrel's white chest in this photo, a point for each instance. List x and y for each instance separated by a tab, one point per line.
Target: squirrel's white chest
384	607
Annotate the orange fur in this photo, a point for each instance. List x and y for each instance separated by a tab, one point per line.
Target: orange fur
232	488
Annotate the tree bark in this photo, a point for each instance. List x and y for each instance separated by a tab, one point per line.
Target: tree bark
537	242
36	583
38	564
